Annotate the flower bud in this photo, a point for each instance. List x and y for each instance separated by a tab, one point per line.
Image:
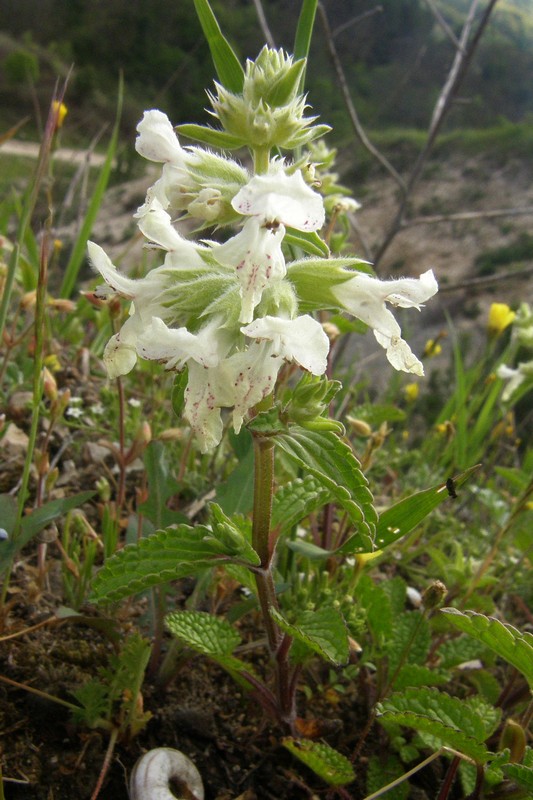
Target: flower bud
513	736
433	596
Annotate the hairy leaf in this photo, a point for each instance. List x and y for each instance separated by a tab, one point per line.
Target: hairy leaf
508	642
445	718
296	500
327	763
209	136
323	455
233	536
165	556
211	636
323	631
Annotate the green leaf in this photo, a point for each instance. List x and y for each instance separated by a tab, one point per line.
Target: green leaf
232	536
414	675
383	771
402	517
227	65
520	774
178	391
296	500
327	763
161	487
310	243
444	718
505	640
165	556
211	636
236	494
323	631
332	462
35	522
209	136
8	513
408	641
304	31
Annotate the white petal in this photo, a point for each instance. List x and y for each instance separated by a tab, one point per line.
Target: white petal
176	346
255	254
119	357
101	262
302	340
364	296
201	407
157	140
281	197
155	223
249	377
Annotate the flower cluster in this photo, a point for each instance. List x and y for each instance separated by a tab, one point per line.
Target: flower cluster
229	312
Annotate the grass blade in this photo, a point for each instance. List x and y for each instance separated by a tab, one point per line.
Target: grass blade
227	65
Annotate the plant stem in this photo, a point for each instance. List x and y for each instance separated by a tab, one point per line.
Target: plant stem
279	645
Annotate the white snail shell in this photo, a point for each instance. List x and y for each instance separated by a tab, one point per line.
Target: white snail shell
151	776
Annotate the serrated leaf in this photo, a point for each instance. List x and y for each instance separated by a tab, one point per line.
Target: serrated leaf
520	774
505	640
160	558
327	763
333	464
211	636
411	675
445	718
227	65
409	640
323	631
296	500
383	771
209	136
404	516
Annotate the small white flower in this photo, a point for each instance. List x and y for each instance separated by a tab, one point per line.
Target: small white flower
255	254
279	197
302	340
175	346
134	402
515	377
157	141
365	297
155	223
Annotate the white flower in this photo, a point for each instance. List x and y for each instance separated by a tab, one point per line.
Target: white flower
248	377
302	340
279	197
157	141
365	297
515	377
255	254
176	346
155	223
120	354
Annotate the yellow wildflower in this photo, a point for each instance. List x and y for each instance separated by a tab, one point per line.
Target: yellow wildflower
432	348
60	110
411	391
500	317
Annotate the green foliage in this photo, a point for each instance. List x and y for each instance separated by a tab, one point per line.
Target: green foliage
112	700
442	718
321	631
514	646
21	67
327	763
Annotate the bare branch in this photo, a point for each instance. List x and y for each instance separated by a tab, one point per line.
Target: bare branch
444	25
462	59
355	20
463	216
352	113
269	39
489	280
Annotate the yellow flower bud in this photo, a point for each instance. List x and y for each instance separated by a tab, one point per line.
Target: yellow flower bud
500	317
432	348
60	110
411	392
